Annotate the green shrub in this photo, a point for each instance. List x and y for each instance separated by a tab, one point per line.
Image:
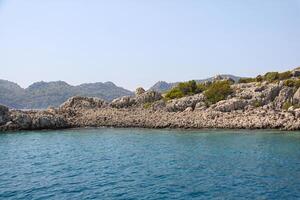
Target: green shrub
257	103
247	80
201	87
287	105
271	76
259	78
188	88
292	83
285	75
217	91
147	105
184	89
174	93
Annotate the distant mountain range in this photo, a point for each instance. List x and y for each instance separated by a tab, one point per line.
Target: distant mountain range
44	94
163	86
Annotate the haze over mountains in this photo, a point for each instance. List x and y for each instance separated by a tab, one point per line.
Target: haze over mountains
44	94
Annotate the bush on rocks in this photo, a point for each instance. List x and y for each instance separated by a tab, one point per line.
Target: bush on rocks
218	91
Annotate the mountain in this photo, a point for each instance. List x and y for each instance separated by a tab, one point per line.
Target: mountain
44	94
162	86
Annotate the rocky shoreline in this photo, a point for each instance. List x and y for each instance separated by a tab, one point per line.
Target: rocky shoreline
250	106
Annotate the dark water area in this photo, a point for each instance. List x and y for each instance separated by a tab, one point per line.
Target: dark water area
149	164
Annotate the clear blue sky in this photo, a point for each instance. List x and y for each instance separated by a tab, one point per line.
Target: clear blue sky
138	42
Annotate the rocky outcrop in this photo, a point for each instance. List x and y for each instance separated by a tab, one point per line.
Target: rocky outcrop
83	103
139	91
138	100
4	117
296	97
250	106
230	105
185	102
285	95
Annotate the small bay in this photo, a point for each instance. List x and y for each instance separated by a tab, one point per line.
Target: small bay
111	163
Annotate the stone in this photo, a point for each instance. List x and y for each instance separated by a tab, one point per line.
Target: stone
139	91
188	109
77	103
296	97
123	102
296	72
185	102
148	97
230	105
23	120
285	95
4	115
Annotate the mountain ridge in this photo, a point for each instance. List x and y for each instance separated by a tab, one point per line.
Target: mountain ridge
43	94
163	86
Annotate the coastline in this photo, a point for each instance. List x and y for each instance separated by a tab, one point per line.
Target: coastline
149	109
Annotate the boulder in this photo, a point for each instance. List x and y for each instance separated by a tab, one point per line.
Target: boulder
77	103
148	97
4	116
185	102
188	109
296	97
270	93
285	95
123	102
42	121
296	72
22	120
230	105
200	106
139	91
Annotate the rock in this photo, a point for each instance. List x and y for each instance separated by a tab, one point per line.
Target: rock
230	105
285	95
4	115
271	93
148	97
217	78
42	121
296	72
139	91
188	109
185	102
297	113
22	120
159	105
200	106
78	103
296	97
123	102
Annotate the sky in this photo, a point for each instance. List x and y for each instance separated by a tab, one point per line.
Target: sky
139	42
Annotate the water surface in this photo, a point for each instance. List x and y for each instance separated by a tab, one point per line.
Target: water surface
149	164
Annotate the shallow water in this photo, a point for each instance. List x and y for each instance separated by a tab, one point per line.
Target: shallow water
149	164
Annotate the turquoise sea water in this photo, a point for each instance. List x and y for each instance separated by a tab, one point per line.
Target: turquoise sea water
149	164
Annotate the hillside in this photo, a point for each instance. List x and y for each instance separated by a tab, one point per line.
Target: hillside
162	86
45	94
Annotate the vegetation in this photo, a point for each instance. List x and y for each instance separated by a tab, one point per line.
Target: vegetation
269	77
147	105
257	103
287	105
184	89
247	80
218	91
292	83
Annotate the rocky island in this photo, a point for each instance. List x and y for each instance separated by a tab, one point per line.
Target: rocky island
269	101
